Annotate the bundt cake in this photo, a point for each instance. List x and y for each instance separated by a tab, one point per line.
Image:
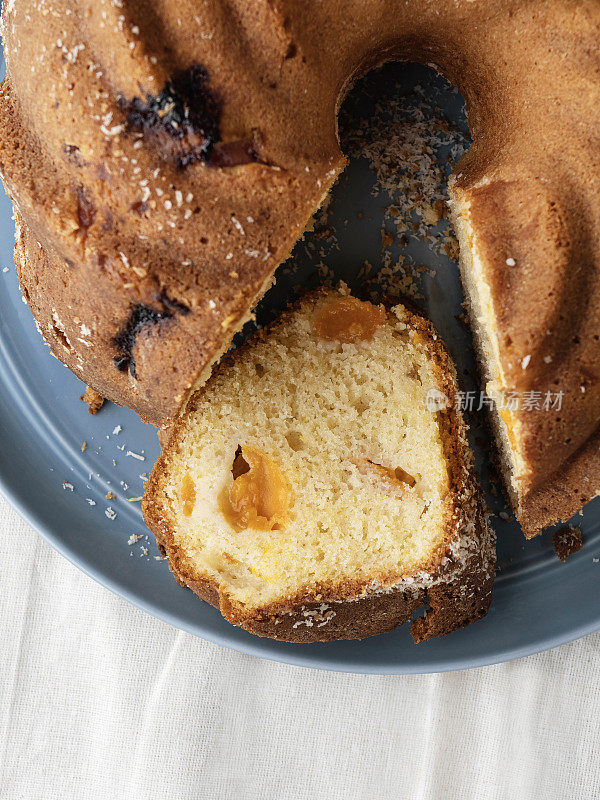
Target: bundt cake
320	485
163	159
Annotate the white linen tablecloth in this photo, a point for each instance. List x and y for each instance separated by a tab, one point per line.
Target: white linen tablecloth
99	700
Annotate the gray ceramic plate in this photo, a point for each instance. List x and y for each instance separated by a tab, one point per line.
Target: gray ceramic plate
60	489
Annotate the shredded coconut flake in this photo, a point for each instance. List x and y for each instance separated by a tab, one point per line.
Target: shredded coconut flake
135	455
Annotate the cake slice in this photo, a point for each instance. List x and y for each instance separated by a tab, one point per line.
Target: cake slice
320	485
521	275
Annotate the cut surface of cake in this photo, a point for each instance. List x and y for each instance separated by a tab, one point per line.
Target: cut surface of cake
320	485
529	290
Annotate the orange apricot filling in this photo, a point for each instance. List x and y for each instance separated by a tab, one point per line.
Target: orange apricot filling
509	422
188	495
348	319
260	496
396	479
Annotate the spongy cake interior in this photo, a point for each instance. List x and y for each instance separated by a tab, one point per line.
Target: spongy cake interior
338	420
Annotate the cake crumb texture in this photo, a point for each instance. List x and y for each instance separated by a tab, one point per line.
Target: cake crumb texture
311	493
94	400
567	541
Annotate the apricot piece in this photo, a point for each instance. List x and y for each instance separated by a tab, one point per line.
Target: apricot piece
390	477
260	496
509	421
348	319
188	494
403	476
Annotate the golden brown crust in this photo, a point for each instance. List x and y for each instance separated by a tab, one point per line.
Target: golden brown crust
120	225
564	492
460	573
542	277
114	225
451	606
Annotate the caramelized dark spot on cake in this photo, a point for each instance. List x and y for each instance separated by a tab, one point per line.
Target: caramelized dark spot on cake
73	155
173	305
140	207
86	209
183	119
140	317
232	154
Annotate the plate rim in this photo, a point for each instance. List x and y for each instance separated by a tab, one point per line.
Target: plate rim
250	647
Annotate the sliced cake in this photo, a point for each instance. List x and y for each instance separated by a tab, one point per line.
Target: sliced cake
527	288
320	485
